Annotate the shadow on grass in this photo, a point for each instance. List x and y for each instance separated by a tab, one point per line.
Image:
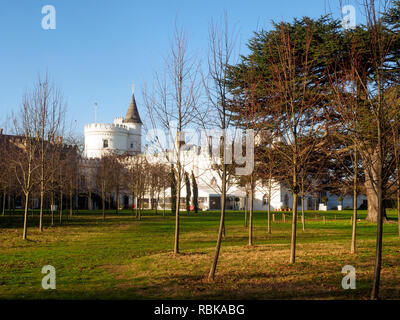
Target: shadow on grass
257	286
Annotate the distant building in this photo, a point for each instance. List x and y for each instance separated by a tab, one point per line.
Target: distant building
124	135
209	182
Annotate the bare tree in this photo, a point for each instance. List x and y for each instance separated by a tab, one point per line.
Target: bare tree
7	177
172	104
296	108
221	51
136	170
104	179
71	175
157	172
267	169
25	154
347	108
375	94
248	115
115	161
48	102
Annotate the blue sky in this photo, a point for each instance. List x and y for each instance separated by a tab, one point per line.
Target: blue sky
99	48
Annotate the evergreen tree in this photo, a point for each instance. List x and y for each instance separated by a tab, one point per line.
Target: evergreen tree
283	86
195	194
173	189
188	192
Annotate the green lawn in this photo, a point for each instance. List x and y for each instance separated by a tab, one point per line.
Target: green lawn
123	258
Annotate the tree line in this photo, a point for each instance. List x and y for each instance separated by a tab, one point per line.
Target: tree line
329	99
323	103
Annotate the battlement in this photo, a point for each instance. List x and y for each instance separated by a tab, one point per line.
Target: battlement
119	120
106	127
110	127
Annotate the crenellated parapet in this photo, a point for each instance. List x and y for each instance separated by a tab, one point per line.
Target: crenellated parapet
95	127
119	120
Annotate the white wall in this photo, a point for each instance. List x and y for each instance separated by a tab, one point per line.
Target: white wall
121	137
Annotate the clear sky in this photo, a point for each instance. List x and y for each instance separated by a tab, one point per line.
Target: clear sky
99	48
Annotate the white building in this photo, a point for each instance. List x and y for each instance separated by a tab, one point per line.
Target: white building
124	136
208	181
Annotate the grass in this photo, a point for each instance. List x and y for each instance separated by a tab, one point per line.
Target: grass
122	258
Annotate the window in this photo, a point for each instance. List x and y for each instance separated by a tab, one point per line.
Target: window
105	143
286	201
131	145
265	200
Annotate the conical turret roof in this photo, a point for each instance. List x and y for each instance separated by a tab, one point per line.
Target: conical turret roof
132	116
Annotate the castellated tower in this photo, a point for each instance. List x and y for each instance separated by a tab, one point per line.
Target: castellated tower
124	135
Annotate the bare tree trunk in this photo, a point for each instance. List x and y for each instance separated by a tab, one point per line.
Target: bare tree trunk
52	212
90	199
41	203
4	204
70	204
303	220
61	206
398	210
378	255
26	216
103	202
294	228
157	200
117	208
221	225
137	207
269	214
353	236
251	210
372	199
398	196
246	203
178	202
133	202
372	196
379	190
164	204
141	200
